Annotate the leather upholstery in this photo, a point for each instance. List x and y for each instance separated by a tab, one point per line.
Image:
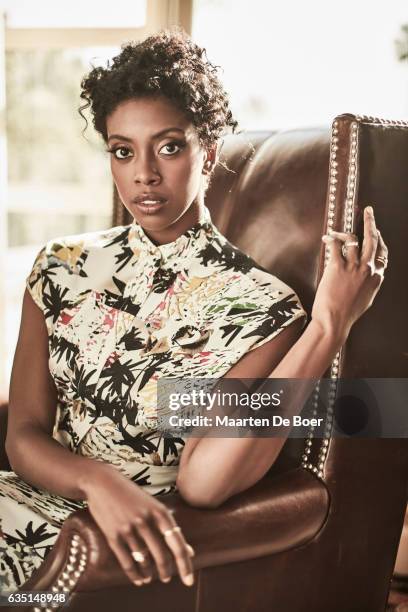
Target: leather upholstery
294	541
293	506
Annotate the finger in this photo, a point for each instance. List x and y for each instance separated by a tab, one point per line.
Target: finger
343	235
382	248
333	245
352	249
126	561
370	241
160	553
176	541
165	522
145	567
381	257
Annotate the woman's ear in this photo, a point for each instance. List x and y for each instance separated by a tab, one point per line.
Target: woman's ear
210	159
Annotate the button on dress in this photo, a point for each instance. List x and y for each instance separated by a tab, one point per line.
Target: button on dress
122	312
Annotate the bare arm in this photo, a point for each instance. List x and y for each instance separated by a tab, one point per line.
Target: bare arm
33	453
212	469
129	517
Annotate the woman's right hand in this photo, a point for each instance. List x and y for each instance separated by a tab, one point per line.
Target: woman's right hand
133	520
350	283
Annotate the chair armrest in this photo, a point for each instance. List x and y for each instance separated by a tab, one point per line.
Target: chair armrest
274	515
4	462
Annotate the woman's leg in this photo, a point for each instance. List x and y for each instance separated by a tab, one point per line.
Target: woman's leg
30	522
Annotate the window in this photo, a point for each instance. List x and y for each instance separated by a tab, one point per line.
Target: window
51	14
295	64
58	182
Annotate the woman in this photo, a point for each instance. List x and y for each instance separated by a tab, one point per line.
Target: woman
111	312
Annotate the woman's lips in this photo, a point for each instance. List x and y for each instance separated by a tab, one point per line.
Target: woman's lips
151	208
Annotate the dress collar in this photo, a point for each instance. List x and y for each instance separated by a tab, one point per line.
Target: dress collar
188	244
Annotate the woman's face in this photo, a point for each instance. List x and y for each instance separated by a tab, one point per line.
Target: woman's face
156	155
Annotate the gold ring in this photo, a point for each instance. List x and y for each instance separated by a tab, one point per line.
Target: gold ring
384	260
169	532
138	556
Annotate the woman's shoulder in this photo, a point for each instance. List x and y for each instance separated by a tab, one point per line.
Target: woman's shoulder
244	270
252	305
72	250
76	263
265	282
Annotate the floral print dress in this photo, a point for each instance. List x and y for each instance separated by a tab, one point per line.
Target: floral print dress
121	312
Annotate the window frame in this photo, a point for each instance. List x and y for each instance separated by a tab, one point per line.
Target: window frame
159	14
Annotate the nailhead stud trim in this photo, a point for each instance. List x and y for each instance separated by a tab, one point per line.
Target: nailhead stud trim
69	576
395	123
348	218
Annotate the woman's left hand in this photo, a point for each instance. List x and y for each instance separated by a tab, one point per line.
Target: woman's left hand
352	277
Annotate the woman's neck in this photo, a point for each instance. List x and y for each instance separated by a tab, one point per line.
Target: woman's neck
193	215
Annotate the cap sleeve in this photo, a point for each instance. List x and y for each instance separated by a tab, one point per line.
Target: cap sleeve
42	283
35	280
273	317
253	311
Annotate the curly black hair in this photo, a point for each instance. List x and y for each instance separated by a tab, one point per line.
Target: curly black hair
167	63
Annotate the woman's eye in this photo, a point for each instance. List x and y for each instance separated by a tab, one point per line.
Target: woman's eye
169	149
171	145
120	152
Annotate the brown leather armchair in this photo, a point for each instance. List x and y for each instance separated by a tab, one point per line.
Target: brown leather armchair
320	531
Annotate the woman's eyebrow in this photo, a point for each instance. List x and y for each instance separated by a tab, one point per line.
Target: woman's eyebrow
126	139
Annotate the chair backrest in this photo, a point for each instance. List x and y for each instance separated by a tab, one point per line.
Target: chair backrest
284	190
269	200
293	188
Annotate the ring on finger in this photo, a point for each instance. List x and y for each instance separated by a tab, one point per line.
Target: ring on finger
383	260
138	556
168	532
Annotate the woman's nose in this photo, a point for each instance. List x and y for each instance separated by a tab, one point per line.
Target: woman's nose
145	171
